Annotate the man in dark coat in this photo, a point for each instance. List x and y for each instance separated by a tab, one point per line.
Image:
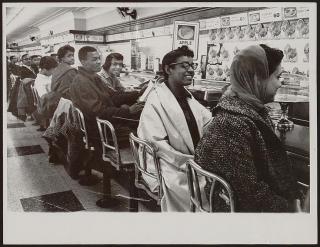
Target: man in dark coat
12	69
25	102
93	97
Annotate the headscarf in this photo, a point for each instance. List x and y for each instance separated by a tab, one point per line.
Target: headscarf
249	71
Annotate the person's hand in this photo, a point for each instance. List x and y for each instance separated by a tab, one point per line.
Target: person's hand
125	106
27	80
135	108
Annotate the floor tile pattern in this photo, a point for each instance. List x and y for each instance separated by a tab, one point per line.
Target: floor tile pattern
25	150
16	125
65	201
35	185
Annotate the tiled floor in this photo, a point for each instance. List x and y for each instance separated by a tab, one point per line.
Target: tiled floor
35	185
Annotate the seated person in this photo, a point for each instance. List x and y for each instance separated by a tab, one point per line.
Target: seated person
240	145
35	60
64	74
111	70
42	85
12	72
173	120
27	75
95	99
55	56
13	68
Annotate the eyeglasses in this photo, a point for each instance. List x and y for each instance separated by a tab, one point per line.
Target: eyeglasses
27	59
186	65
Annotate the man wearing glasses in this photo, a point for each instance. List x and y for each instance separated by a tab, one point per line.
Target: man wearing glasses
173	120
26	70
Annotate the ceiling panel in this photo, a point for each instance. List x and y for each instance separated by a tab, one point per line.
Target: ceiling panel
22	21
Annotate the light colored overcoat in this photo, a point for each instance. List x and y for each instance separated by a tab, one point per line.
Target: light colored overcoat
163	123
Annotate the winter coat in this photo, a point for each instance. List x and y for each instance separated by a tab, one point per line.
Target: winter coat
93	97
240	146
62	78
25	102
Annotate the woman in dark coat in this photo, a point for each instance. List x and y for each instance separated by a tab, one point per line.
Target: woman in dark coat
240	144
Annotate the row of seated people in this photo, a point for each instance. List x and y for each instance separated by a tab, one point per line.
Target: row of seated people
236	141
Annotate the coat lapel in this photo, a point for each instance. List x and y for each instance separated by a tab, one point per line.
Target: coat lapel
175	114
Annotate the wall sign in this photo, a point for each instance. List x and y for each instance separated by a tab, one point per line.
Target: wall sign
265	15
213	23
234	20
186	33
295	12
79	37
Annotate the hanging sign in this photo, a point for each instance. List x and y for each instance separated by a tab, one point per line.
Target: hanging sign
234	20
295	12
265	15
186	33
213	23
79	37
303	12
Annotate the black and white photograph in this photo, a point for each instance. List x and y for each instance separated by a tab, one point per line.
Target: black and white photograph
159	123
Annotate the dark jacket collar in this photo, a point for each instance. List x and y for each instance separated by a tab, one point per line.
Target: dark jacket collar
61	70
91	75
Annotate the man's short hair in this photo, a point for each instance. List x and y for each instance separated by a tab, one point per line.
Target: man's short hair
33	56
62	51
107	62
173	56
24	55
82	55
47	62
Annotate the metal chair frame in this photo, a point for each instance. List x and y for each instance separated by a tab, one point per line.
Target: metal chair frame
83	129
103	125
193	169
141	165
36	98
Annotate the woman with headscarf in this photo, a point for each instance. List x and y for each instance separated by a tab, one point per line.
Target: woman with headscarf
240	144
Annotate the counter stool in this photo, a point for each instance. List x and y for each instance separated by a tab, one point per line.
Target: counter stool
140	149
88	179
36	103
36	98
120	158
193	169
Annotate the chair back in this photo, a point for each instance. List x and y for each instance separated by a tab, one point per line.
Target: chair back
36	98
109	143
140	148
82	125
193	170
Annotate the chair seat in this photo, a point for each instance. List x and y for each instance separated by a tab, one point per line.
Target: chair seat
125	154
